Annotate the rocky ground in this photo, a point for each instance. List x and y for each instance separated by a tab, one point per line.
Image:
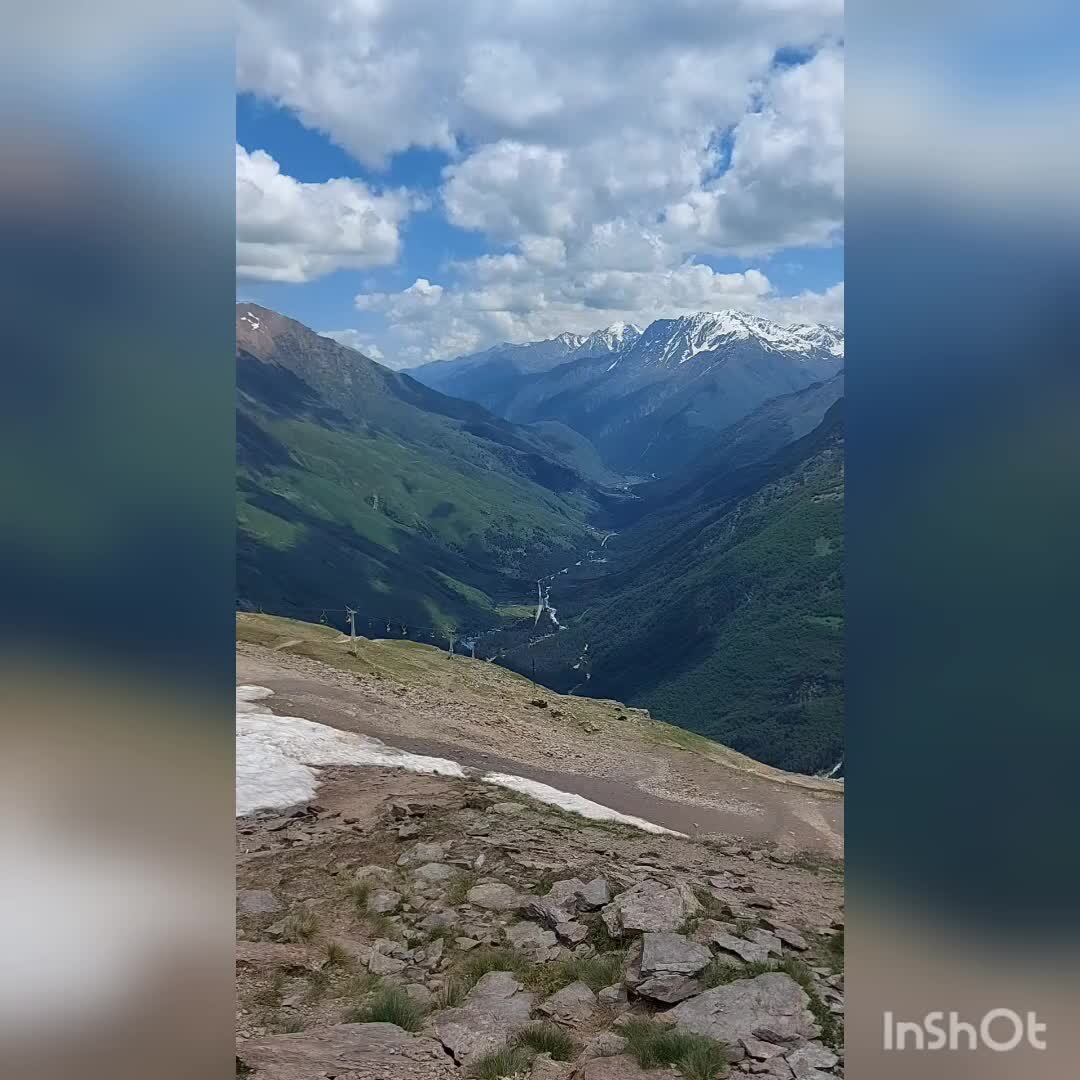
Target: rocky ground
412	926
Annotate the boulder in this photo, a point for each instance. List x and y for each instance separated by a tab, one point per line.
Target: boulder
543	1068
650	907
807	1060
423	853
671	954
605	1044
494	1010
360	1051
434	873
381	964
573	933
749	951
572	1004
787	934
772	1007
383	901
668	989
494	897
766	938
761	1051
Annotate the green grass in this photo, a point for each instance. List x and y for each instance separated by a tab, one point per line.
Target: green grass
337	956
452	994
390	1005
547	1039
720	971
360	892
595	972
318	986
271	994
510	1061
474	965
696	1056
302	925
459	886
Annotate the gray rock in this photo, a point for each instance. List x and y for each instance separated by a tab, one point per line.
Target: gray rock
671	954
543	1068
772	1007
420	995
668	989
434	872
423	853
439	920
571	932
787	934
762	1051
764	937
365	1051
565	893
494	897
594	894
495	1009
749	951
535	942
383	901
466	943
572	1004
408	829
612	995
508	809
806	1061
374	873
381	964
606	1044
272	954
257	902
650	906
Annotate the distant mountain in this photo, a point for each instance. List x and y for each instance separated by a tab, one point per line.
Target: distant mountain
359	485
490	377
656	401
721	609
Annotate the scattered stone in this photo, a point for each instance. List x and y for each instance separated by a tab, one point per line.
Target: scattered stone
807	1060
494	897
765	938
650	906
671	954
571	932
374	873
495	1008
408	829
439	920
572	1004
762	1051
381	964
772	1007
423	853
760	902
268	954
466	943
787	934
257	902
622	1067
606	1044
434	872
543	1068
668	989
595	894
749	951
536	943
508	809
383	901
361	1050
612	995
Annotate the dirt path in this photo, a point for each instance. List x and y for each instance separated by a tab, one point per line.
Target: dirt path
479	718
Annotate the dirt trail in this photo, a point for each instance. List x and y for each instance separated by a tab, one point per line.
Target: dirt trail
598	750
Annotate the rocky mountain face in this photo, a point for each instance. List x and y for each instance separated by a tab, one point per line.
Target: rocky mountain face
655	400
424	927
358	485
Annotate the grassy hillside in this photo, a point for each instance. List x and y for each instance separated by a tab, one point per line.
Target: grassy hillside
724	614
359	486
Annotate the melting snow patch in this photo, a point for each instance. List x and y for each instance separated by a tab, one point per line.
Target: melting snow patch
576	804
273	755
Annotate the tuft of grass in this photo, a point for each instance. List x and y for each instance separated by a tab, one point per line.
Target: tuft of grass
362	984
359	893
318	986
508	1062
696	1056
476	964
742	925
459	886
547	1039
271	994
452	994
390	1005
834	949
302	925
713	906
595	972
600	938
337	956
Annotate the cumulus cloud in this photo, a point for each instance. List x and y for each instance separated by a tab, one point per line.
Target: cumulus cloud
605	148
294	232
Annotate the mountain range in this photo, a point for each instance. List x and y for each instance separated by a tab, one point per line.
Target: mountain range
710	592
651	401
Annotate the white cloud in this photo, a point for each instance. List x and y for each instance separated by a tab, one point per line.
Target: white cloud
294	232
589	141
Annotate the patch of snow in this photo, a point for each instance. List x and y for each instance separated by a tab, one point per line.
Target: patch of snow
274	755
575	804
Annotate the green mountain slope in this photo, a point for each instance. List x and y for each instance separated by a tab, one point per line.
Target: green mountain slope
359	486
723	611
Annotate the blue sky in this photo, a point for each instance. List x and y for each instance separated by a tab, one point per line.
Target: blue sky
423	190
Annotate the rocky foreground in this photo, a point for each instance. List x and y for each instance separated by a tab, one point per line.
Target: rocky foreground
424	928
